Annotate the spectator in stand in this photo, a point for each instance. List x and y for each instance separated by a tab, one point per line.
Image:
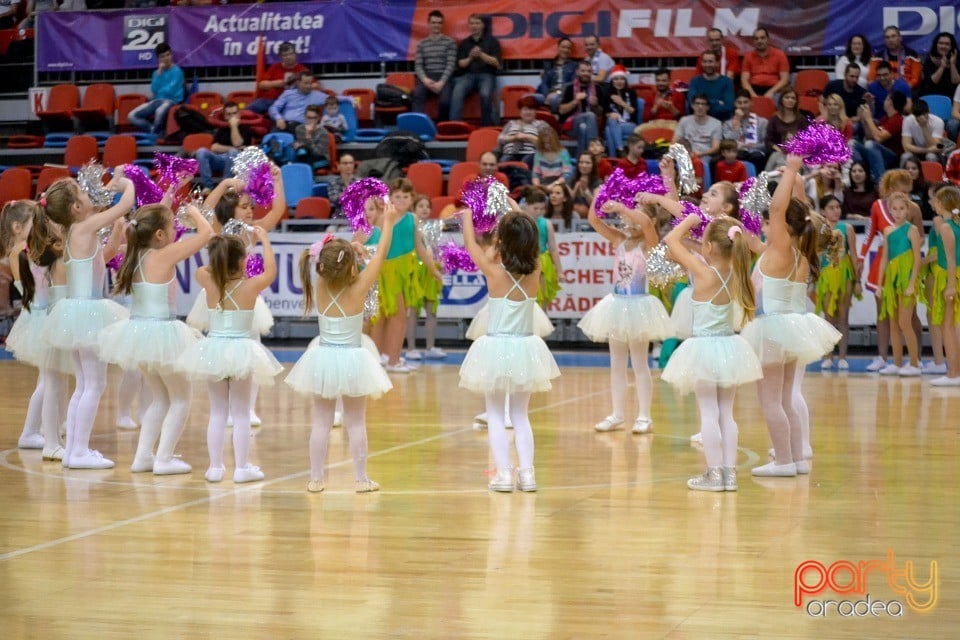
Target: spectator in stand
668	104
600	63
783	126
941	75
717	88
859	53
748	130
278	77
518	140
488	165
860	195
337	184
557	74
332	120
311	139
903	60
633	163
883	141
835	115
551	162
597	149
167	86
583	184
953	126
923	135
622	109
701	130
886	82
582	106
478	62
848	89
827	180
728	168
227	142
289	109
920	193
434	64
766	70
728	58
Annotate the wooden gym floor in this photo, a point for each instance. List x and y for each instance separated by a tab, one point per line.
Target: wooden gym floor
612	546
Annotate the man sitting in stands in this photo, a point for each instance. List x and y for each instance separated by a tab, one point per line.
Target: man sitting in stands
167	88
227	142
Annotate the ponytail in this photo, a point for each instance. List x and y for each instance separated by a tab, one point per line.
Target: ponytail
742	286
145	223
307	281
808	246
27	284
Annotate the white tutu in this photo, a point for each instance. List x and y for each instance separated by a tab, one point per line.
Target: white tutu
76	323
783	337
627	318
151	344
199	316
366	342
513	364
25	340
335	371
682	314
727	361
216	358
542	325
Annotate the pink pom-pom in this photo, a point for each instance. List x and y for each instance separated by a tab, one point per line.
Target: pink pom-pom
453	257
819	143
260	185
690	209
752	222
178	230
254	265
354	199
116	262
173	170
745	187
617	188
146	191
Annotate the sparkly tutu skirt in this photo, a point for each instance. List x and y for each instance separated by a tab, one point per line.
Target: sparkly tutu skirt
216	358
76	323
199	316
682	314
146	343
335	371
626	319
512	364
25	340
478	326
727	361
782	337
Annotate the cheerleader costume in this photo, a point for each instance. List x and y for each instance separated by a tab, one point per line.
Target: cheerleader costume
510	357
714	352
880	219
199	316
542	326
76	321
25	341
628	314
938	270
549	279
896	277
786	331
833	279
337	363
152	339
398	275
228	352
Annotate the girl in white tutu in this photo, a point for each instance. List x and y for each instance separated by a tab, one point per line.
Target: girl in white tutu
228	358
628	319
74	323
714	361
786	336
336	365
510	360
152	340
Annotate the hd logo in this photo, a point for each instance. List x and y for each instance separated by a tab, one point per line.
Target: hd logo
141	35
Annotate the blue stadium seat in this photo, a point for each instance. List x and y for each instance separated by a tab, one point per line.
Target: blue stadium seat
419	124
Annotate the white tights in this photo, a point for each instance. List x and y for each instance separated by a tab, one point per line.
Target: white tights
91	375
355	424
32	423
717	427
803	412
52	415
776	392
131	382
522	431
233	397
166	415
621	353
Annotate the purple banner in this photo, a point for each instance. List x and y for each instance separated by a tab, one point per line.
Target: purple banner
918	20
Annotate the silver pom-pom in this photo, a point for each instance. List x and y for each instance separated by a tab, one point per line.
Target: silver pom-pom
757	198
497	199
371	304
248	160
196	199
430	231
90	179
103	234
684	163
236	227
661	270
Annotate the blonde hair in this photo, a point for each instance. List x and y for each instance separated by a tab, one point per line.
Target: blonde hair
737	251
226	255
144	224
59	199
336	264
949	199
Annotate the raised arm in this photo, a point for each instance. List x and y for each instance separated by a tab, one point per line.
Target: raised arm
610	234
107	217
778	235
679	251
369	275
477	254
265	279
279	207
176	252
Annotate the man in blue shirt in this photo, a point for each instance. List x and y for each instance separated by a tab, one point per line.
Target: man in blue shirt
885	84
167	87
289	109
717	88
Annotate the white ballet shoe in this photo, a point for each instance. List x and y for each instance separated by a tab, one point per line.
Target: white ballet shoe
89	459
774	470
30	441
696	438
255	420
610	423
338	418
248	473
171	467
642	425
126	422
56	453
503	481
142	465
215	474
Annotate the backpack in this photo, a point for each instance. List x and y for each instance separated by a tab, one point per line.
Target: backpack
403	147
191	121
389	95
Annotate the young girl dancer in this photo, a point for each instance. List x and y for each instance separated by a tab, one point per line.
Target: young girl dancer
510	360
551	269
628	319
783	337
838	278
75	323
714	361
152	340
228	358
431	290
943	303
337	366
898	275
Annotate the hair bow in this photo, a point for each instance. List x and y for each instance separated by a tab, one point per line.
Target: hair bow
733	231
317	247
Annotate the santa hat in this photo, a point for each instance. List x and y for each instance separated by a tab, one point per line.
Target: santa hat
620	71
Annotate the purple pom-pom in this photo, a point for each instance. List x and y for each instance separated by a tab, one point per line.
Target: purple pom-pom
354	199
745	187
650	183
453	257
115	262
172	170
617	188
178	230
146	191
690	209
254	266
752	222
819	143
486	199
260	185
